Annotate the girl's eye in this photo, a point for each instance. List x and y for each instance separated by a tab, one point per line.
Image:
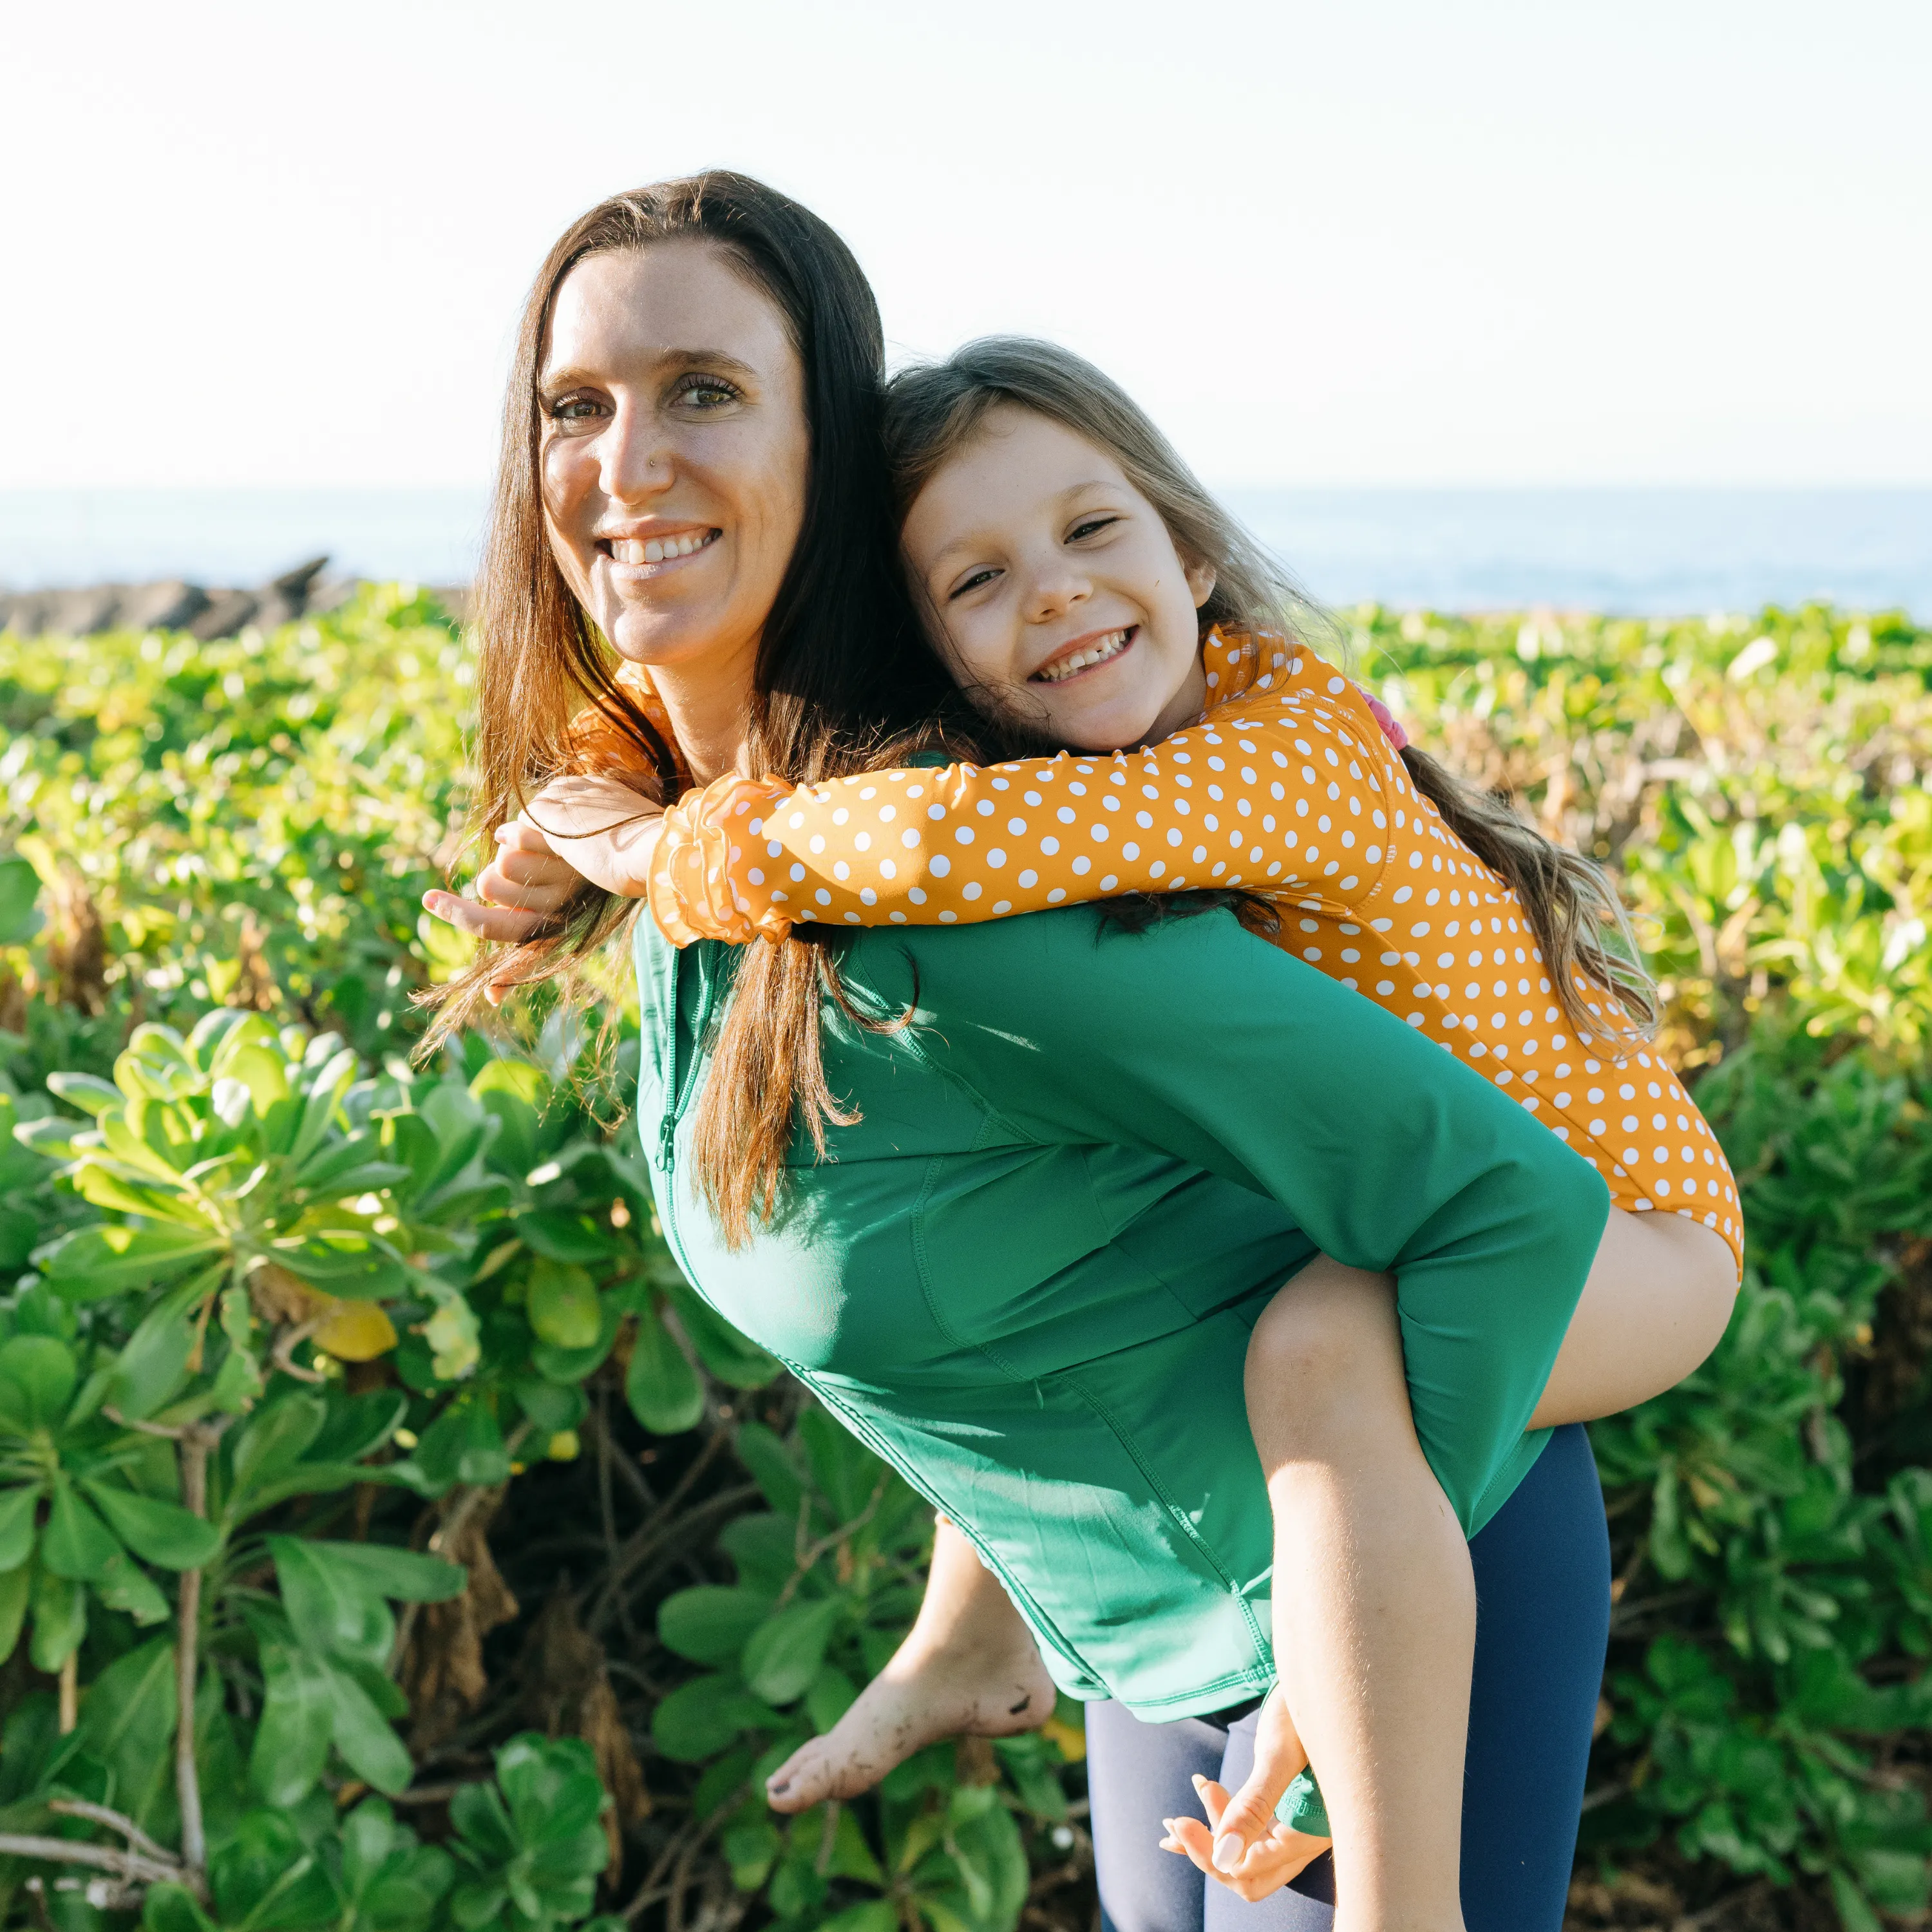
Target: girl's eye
574	409
1089	526
705	392
972	583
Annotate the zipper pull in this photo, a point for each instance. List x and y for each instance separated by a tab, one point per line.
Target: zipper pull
668	1143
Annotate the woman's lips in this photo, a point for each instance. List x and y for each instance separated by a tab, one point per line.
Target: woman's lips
1088	656
645	552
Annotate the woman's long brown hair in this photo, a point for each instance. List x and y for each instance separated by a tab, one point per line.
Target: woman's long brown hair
843	681
932	412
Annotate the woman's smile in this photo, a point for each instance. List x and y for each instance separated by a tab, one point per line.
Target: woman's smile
651	554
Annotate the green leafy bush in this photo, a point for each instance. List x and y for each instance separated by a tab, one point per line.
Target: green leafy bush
366	1403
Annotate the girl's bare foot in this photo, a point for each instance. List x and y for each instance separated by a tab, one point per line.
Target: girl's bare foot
990	1689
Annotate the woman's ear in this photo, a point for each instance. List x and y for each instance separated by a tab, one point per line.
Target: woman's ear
1202	578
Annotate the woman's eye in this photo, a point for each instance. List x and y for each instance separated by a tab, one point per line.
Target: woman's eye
705	392
1089	526
574	409
973	583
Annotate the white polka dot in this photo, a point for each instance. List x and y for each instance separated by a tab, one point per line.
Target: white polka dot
941	865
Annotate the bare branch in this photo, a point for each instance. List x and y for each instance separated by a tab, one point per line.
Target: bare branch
99	1858
80	1807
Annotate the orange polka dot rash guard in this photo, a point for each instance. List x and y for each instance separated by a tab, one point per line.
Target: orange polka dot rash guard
1288	787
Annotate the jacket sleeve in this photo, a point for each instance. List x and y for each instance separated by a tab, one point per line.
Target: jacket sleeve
1387	1152
1288	792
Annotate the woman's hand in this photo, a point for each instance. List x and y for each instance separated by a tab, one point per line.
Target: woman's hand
1243	1846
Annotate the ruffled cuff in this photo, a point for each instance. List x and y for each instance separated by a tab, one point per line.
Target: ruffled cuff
1391	730
690	890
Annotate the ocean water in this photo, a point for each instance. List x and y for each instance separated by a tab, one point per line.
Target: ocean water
1640	551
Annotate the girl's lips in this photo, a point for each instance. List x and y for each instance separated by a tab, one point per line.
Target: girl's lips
1089	656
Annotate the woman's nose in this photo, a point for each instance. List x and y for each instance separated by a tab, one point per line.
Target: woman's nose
634	455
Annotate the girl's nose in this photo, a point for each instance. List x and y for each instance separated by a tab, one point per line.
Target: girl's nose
1053	591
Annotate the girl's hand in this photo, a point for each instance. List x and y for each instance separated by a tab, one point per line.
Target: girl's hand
1265	1866
1249	1850
520	890
606	831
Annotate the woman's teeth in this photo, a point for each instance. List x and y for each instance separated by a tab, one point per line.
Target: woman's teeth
657	549
1098	652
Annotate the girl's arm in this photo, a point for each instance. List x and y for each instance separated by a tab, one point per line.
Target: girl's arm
1289	792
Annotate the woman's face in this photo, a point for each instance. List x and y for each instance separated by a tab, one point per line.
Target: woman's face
674	451
1053	588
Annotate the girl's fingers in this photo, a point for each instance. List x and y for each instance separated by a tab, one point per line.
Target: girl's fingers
526	867
519	835
503	923
1189	1837
1213	1798
497	887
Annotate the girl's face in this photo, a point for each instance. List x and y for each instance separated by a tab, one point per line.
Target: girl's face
1053	589
674	450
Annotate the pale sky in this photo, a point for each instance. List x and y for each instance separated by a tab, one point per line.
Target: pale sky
1398	242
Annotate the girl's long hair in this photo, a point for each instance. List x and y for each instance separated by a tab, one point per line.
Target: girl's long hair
932	412
844	681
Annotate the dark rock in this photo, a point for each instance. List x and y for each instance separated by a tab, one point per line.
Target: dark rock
80	613
227	611
169	606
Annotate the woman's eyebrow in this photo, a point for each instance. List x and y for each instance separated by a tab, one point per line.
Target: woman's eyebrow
660	360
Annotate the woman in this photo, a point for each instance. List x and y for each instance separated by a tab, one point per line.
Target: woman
1027	1271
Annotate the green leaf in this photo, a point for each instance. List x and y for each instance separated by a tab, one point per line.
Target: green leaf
783	1655
369	1747
662	1387
696	1720
60	1620
20	918
324	1095
562	1304
171	1908
17	1509
158	1531
298	1720
464	1444
93	1262
710	1625
772	1468
15	1588
88	1092
401	1574
735	1361
574	1238
76	1543
358	1267
123	1586
154	1364
272	1441
37	1376
333	1609
264	1878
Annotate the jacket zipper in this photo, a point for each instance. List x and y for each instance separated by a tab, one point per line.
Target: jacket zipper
677	1096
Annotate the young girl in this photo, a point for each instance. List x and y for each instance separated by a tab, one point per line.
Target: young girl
1086	592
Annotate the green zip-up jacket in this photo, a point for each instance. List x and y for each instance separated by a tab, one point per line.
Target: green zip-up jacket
1027	1275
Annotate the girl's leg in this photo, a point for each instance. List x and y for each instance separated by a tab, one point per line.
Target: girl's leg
1374	1604
1542	1620
1660	1294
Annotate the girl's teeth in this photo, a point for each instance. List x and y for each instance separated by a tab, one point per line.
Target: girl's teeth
1110	645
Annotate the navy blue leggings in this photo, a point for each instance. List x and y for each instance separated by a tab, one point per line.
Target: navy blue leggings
1542	1620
